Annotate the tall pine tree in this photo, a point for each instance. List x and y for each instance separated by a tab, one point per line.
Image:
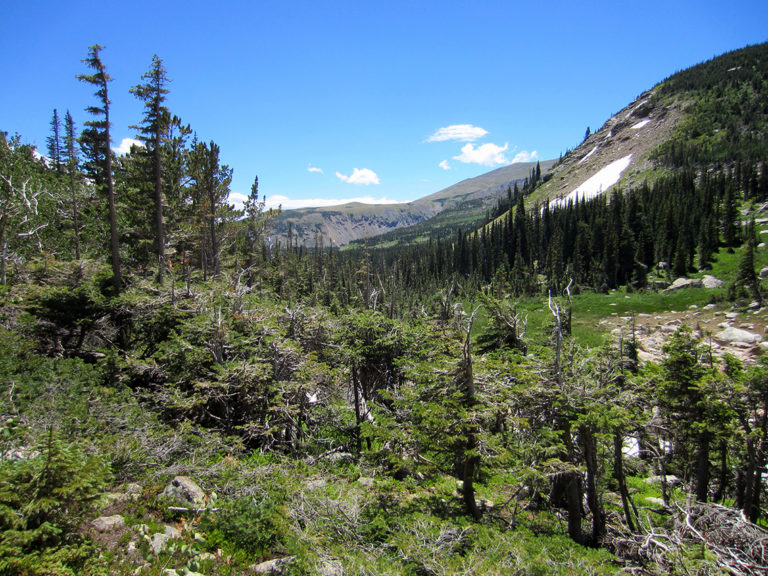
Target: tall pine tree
98	136
151	132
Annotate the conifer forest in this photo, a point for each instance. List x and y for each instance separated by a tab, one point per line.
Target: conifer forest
183	391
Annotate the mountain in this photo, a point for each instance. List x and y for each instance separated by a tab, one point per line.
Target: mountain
346	223
712	112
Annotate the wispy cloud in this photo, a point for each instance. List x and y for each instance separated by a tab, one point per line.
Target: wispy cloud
315	169
525	156
290	203
361	176
444	165
485	154
460	132
125	146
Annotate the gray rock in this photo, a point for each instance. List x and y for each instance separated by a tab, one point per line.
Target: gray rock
367	482
733	335
159	542
764	273
108	523
274	567
711	282
672	480
183	491
654	501
681	283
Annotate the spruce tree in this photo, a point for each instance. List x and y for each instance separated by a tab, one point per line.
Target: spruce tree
98	136
72	163
54	142
152	131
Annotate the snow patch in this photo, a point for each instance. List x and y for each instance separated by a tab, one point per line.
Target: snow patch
635	108
597	184
590	154
641	124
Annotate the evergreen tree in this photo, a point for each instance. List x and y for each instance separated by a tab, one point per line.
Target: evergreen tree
54	142
152	132
98	139
72	165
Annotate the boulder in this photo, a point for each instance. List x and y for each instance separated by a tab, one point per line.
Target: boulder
681	283
108	523
711	282
273	567
183	491
733	335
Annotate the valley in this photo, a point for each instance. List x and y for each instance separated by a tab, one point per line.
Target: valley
555	368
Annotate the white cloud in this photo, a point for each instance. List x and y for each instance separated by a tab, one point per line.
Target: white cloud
360	176
315	169
444	165
290	203
525	156
461	132
125	146
237	199
485	154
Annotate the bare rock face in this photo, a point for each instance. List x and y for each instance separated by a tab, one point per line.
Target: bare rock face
183	491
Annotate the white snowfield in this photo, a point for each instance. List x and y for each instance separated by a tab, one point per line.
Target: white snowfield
590	154
641	124
597	184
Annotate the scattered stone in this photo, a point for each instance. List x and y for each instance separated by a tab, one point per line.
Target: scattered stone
183	491
737	335
654	501
367	482
764	273
275	567
724	325
761	245
693	307
732	315
710	307
108	523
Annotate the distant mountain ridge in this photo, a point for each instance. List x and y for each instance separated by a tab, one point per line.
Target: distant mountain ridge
340	225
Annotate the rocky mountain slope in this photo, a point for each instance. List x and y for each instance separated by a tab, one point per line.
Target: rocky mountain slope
342	224
620	151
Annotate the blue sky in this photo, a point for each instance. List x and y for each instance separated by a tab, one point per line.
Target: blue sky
330	101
